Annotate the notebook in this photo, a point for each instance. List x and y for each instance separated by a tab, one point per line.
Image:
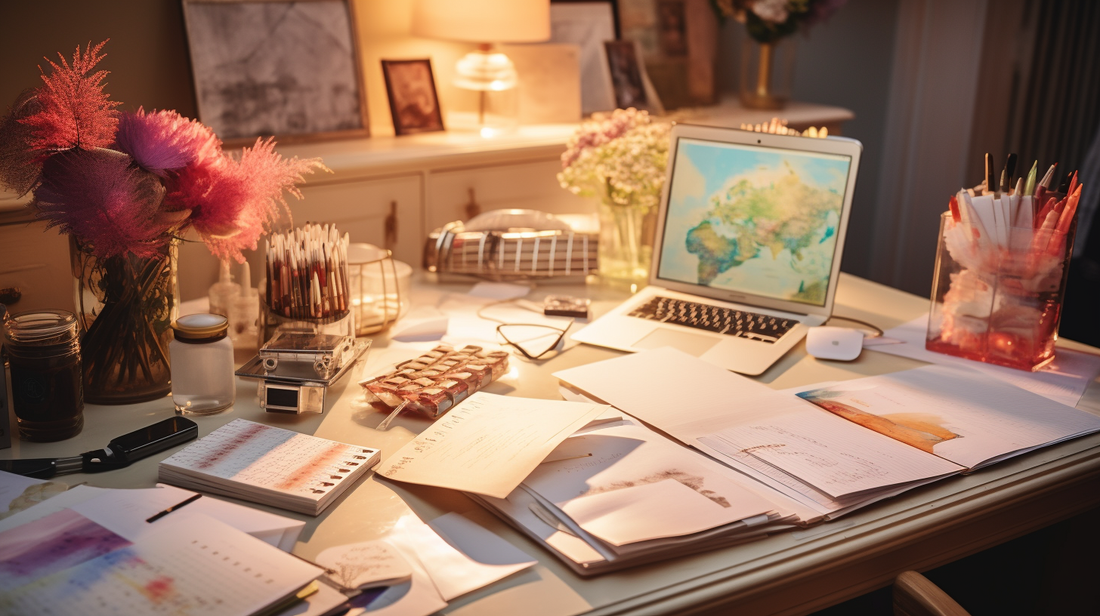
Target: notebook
751	226
272	466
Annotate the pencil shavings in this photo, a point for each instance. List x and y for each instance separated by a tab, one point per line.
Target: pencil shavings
436	381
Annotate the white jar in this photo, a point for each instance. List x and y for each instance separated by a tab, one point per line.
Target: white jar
202	365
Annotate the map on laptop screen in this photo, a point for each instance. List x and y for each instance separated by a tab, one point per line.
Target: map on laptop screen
753	219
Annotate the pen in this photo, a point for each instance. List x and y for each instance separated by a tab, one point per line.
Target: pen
989	178
1029	185
1010	169
161	514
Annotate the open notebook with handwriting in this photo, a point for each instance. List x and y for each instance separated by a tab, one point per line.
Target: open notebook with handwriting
268	465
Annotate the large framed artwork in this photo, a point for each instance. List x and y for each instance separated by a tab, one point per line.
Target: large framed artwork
280	68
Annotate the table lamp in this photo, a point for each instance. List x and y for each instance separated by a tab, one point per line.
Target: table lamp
486	71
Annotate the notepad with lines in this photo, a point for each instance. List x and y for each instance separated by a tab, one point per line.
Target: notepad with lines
272	466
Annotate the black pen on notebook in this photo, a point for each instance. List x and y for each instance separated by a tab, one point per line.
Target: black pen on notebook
161	514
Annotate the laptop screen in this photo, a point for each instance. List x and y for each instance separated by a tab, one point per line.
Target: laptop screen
753	219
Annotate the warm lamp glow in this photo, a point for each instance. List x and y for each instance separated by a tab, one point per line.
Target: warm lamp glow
489	73
482	21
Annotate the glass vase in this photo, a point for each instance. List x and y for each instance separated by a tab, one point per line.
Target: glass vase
767	73
626	243
125	306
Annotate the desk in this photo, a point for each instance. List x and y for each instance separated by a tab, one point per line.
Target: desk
792	573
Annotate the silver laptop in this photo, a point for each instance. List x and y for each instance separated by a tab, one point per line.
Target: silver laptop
750	231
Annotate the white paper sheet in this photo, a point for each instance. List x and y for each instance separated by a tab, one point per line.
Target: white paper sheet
676	392
836	457
461	556
1063	380
644	512
417	597
125	512
962	416
499	290
365	565
186	566
621	458
15	488
488	444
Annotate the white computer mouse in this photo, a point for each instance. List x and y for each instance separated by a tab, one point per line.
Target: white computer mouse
840	343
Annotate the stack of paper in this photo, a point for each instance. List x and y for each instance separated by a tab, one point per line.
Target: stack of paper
272	466
609	496
622	495
835	449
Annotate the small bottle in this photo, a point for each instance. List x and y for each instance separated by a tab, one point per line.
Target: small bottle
244	313
43	351
223	292
202	365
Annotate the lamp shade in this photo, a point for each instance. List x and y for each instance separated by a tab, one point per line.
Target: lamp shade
482	21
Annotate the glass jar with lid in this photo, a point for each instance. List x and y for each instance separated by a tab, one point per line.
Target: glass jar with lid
202	365
43	352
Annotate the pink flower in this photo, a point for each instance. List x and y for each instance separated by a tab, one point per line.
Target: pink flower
164	141
234	201
101	198
74	110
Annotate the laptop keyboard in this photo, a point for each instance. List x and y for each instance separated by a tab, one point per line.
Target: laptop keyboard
729	321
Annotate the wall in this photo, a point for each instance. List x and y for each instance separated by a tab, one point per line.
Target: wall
847	62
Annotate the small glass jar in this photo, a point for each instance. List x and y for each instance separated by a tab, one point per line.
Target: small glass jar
202	365
43	350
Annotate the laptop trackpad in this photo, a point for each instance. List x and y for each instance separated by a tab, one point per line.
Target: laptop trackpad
692	344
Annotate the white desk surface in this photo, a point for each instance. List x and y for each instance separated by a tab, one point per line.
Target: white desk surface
790	573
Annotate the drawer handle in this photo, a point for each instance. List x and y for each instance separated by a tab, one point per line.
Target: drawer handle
472	208
390	227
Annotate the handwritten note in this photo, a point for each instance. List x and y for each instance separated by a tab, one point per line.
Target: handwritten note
365	565
489	444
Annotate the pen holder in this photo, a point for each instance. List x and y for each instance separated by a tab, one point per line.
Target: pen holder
340	324
998	302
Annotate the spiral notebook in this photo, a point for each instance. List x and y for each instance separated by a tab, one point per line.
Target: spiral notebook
272	466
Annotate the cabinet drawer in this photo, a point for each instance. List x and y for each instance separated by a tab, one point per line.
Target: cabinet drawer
36	261
363	210
526	185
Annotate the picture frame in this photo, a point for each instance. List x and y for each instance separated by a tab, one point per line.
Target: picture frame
414	103
679	44
588	25
629	80
283	68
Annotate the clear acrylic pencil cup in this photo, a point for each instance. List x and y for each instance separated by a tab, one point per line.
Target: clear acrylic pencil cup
998	299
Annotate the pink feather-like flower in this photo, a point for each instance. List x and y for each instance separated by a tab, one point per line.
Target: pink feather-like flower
234	201
104	200
74	109
163	141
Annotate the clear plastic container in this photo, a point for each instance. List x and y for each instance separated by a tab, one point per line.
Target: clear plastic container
998	305
202	365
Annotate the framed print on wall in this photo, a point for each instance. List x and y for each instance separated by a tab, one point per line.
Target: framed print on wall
282	68
588	25
414	103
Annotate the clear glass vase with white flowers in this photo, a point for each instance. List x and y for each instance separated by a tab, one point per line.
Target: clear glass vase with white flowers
620	158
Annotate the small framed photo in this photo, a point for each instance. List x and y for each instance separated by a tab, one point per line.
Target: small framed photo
628	77
276	68
410	86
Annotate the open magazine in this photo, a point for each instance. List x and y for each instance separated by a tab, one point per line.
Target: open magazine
834	449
